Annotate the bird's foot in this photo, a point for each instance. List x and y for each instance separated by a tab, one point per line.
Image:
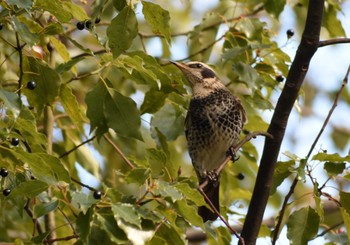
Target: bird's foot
212	176
233	154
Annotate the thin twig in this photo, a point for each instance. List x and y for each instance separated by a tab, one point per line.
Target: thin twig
35	221
119	151
82	184
67	238
286	199
218	171
328	229
333	41
76	147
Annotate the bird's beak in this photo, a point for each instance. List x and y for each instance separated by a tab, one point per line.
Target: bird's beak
181	66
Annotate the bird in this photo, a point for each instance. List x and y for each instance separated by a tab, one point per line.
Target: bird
213	124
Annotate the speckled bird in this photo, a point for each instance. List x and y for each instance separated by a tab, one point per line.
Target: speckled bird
213	124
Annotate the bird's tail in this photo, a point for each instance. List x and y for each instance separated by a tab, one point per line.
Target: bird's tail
212	192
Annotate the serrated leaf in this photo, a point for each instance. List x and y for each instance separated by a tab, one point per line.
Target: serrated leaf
71	106
169	120
188	212
138	175
21	3
248	75
44	167
158	19
47	84
122	31
168	190
83	201
60	48
203	36
167	234
133	67
302	225
345	200
332	23
95	100
55	8
274	7
282	171
42	209
191	194
109	224
83	224
153	101
333	168
26	35
127	213
121	114
157	161
346	218
10	101
77	11
29	189
68	65
325	157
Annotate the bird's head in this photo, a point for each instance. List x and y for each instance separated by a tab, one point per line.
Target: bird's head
201	77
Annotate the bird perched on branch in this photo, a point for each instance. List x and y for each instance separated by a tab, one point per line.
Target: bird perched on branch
213	124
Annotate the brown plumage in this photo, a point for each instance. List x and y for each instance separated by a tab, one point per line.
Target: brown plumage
213	124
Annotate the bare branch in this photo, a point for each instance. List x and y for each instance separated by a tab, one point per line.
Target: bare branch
333	41
76	147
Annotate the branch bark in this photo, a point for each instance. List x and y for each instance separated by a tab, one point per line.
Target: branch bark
306	50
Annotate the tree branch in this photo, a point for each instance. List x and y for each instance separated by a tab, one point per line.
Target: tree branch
119	151
306	50
333	41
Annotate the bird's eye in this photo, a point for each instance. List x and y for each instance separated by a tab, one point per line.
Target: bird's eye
196	65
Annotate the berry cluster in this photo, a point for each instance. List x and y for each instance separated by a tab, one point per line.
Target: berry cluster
4	173
87	24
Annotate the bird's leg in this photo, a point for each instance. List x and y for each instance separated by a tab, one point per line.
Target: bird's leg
232	152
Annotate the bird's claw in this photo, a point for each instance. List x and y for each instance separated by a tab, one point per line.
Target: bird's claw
212	176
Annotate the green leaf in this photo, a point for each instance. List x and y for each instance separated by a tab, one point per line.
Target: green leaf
83	201
318	202
77	11
55	8
133	67
157	18
169	120
191	194
346	218
122	114
122	30
10	101
60	48
274	7
42	209
302	225
26	4
153	101
333	168
25	34
325	157
71	106
84	223
109	224
68	65
47	84
332	23
188	212
52	29
345	200
282	171
29	189
168	190
167	234
203	36
248	75
138	175
127	213
119	5
95	100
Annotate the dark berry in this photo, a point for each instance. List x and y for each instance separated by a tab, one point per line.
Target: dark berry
14	141
290	33
88	24
97	20
97	194
1	26
6	192
279	78
4	172
240	176
31	85
245	131
80	25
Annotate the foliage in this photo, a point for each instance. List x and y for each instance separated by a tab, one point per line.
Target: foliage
107	112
